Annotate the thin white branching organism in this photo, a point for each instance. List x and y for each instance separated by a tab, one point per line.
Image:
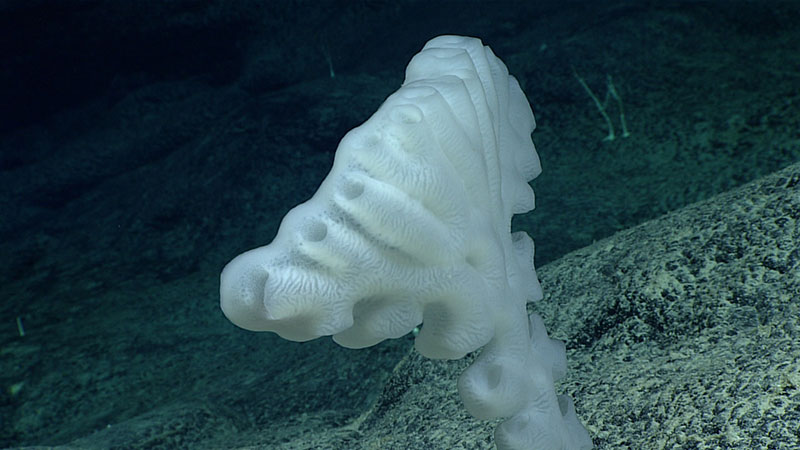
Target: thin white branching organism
611	91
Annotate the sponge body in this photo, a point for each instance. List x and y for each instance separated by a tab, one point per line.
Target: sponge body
412	225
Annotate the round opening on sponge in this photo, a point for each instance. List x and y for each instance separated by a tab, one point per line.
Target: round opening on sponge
314	231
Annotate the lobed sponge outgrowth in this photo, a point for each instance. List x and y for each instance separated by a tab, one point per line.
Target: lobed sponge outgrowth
413	225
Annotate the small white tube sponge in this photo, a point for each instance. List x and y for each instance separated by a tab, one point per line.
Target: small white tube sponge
412	225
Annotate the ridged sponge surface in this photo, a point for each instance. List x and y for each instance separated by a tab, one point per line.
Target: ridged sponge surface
412	226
